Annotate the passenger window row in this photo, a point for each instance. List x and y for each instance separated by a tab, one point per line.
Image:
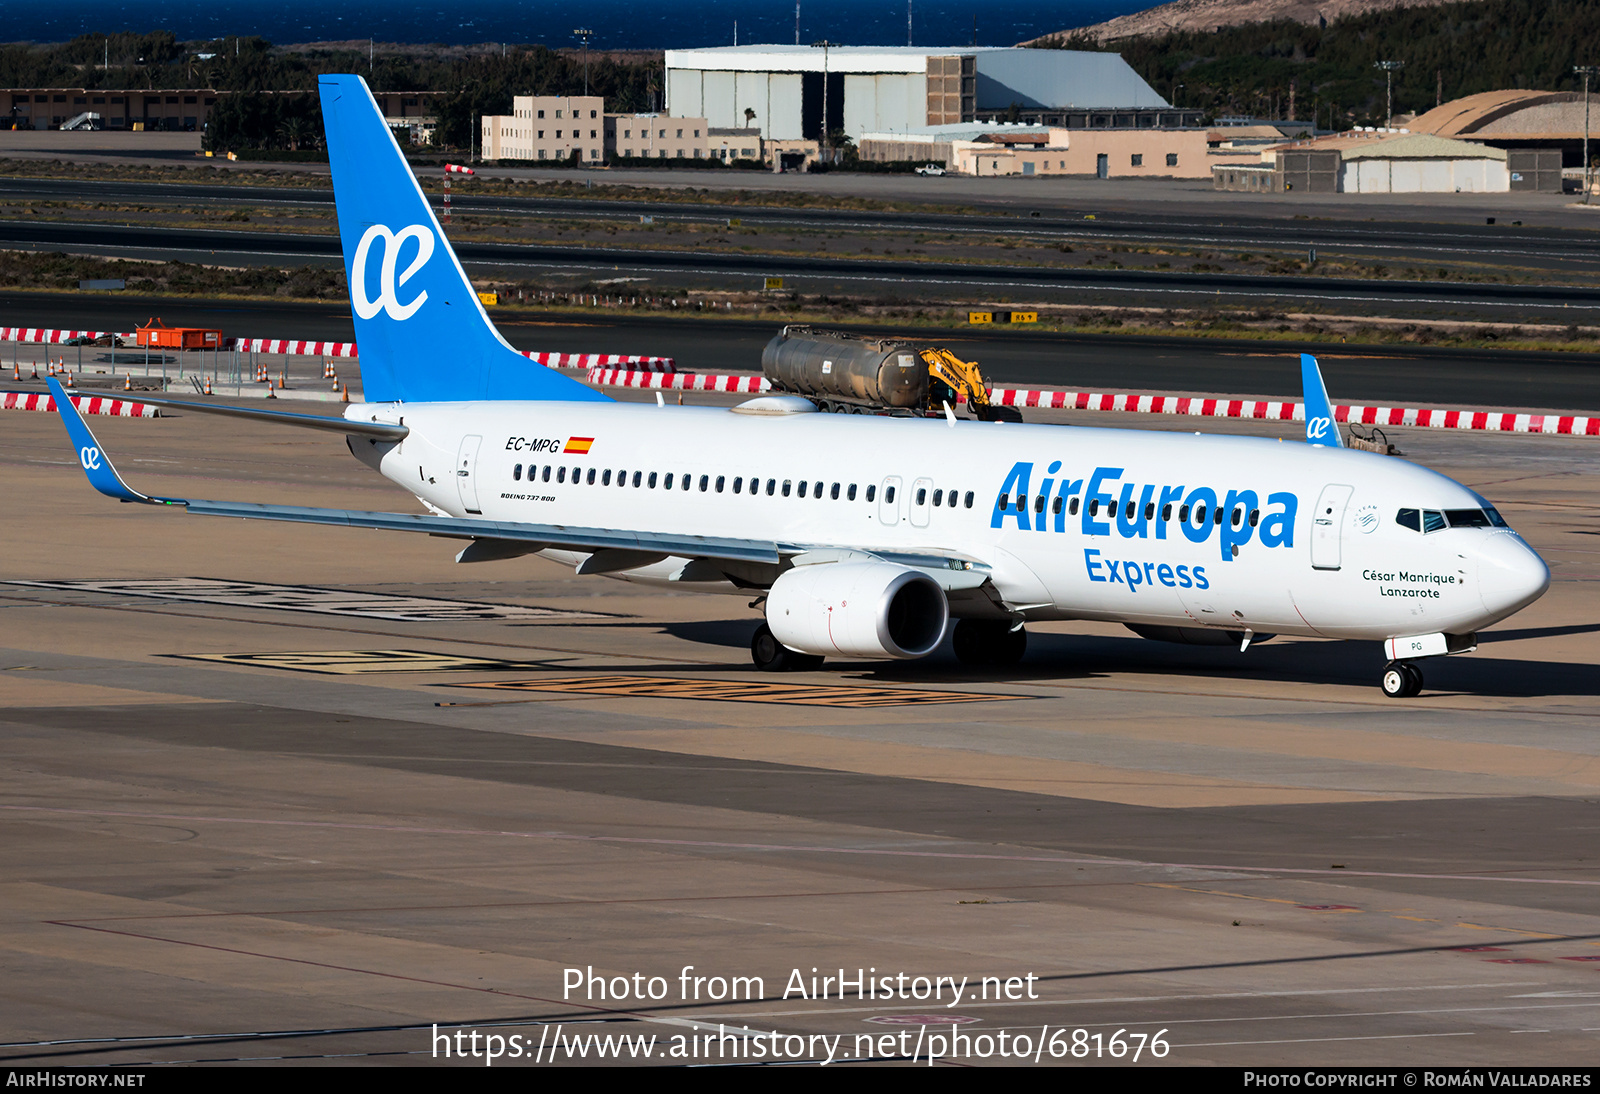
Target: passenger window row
789	487
941	498
1217	513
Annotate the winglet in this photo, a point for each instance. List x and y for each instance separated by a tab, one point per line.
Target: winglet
1321	427
96	464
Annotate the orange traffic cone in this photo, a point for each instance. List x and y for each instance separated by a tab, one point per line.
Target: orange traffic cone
16	371
283	379
346	394
127	382
270	393
208	385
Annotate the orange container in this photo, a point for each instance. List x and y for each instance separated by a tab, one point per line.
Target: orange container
156	333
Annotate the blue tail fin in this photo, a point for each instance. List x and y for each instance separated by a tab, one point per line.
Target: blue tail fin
422	332
1321	427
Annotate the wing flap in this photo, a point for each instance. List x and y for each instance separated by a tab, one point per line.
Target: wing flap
549	535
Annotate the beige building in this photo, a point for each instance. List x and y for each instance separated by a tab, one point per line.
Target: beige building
793	154
1101	153
733	145
561	128
656	137
546	127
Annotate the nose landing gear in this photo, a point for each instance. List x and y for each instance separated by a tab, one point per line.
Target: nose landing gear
1401	680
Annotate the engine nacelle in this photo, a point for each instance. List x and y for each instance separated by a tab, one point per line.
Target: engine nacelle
857	609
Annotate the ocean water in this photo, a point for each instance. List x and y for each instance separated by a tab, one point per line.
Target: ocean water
617	24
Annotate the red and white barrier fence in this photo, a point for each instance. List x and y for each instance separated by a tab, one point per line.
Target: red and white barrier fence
43	335
86	404
604	369
634	362
300	349
687	381
1482	420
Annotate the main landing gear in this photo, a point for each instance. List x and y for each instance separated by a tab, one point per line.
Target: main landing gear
1401	680
770	655
988	642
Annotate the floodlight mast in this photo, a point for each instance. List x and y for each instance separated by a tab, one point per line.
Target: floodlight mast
583	35
1586	71
824	45
1389	69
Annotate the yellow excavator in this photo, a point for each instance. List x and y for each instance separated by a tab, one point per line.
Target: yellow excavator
963	378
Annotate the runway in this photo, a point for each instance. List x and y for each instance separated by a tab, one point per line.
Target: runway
729	268
254	813
1406	232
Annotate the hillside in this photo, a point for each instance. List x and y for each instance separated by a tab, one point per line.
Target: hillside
1285	68
1208	15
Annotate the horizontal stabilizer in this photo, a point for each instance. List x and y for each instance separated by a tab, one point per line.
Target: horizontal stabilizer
349	427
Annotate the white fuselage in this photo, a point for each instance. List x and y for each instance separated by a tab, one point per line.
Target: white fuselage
1110	525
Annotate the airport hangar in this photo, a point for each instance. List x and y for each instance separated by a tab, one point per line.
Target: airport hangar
781	89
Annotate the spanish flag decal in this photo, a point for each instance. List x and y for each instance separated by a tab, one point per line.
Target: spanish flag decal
578	445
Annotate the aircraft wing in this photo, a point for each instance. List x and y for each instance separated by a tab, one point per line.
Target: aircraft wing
103	476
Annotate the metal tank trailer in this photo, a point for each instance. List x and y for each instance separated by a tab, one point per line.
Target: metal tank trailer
848	374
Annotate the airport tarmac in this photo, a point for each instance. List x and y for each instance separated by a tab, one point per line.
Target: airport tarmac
289	793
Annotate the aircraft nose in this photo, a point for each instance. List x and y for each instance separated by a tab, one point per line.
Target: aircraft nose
1510	575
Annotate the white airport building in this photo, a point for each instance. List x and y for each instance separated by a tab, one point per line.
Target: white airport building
783	90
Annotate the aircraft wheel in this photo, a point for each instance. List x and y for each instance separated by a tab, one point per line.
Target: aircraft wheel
1012	645
987	642
770	655
1401	680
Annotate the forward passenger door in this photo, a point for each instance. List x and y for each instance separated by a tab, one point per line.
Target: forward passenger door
1327	522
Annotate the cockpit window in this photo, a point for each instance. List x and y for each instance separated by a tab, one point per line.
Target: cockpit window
1432	521
1494	517
1409	518
1467	518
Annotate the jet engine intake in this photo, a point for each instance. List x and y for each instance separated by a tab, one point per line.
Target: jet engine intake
857	609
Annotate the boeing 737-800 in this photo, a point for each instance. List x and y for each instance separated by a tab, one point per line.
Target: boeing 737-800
865	537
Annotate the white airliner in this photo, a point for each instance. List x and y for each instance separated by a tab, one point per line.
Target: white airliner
865	537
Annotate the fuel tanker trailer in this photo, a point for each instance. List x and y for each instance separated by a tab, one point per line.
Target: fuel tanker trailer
848	374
